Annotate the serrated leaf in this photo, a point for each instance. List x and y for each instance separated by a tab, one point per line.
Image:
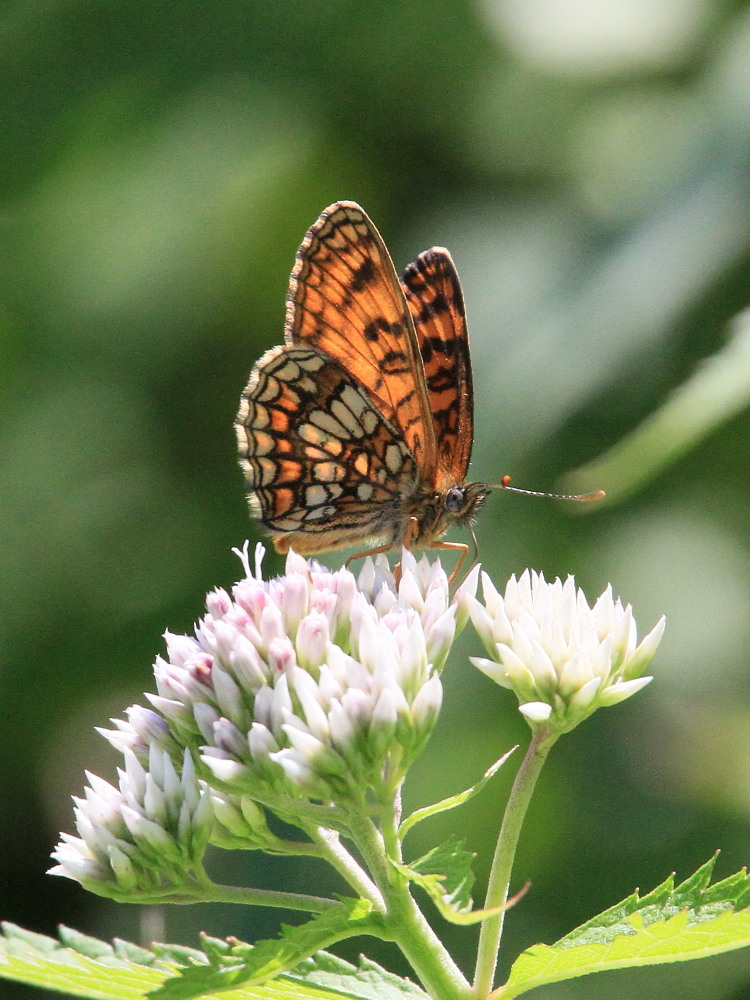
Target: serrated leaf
95	972
129	952
92	947
451	863
454	800
176	954
693	920
253	964
445	875
366	981
38	960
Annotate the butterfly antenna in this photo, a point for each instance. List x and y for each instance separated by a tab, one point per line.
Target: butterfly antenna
504	484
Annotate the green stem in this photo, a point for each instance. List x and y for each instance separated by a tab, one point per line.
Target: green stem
390	828
292	848
214	893
268	897
502	863
337	855
408	926
426	954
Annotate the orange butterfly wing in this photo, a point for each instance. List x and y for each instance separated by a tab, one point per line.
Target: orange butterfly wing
347	431
325	468
345	300
435	300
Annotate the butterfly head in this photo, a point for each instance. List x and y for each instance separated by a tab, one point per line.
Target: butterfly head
433	515
461	502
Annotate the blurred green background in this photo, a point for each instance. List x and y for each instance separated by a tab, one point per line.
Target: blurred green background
587	162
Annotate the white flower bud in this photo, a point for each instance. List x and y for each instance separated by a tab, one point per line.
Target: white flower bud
147	834
562	658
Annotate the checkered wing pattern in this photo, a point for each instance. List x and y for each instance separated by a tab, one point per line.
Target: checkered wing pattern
359	427
325	466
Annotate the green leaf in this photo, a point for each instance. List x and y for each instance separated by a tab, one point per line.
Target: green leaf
37	960
225	969
84	968
366	981
669	924
454	800
445	875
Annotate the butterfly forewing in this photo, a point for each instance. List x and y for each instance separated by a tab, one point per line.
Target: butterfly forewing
433	293
345	299
325	468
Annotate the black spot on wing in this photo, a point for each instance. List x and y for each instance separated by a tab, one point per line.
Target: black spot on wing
363	275
376	327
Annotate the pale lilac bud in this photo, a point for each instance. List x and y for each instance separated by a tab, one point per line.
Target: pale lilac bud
312	640
142	729
147	835
440	636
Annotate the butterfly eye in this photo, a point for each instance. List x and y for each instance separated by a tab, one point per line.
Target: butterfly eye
454	500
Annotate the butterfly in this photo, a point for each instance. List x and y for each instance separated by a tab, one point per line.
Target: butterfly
358	429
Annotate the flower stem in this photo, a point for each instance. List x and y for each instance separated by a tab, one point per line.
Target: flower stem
502	863
408	926
424	950
268	897
215	893
336	854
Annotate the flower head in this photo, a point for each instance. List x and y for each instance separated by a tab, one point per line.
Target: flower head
313	689
313	686
144	837
562	658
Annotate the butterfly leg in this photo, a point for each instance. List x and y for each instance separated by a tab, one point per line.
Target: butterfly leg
454	547
411	534
464	550
368	552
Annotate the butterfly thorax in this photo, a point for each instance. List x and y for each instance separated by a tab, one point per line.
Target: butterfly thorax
431	515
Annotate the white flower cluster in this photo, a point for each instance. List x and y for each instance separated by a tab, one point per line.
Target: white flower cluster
562	658
146	835
314	688
308	696
310	686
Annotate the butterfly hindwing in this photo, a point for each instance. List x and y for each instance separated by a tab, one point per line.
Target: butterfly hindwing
359	428
434	296
324	467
